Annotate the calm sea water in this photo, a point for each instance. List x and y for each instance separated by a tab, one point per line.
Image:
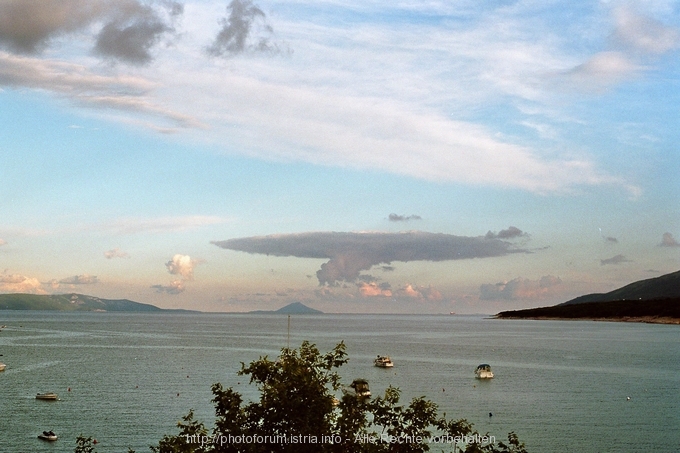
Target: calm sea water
561	386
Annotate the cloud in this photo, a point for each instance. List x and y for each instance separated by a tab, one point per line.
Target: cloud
604	69
175	287
373	289
667	240
115	253
520	289
14	283
420	292
84	87
157	225
641	34
634	40
130	37
245	30
129	28
618	259
182	265
401	218
83	279
351	253
510	233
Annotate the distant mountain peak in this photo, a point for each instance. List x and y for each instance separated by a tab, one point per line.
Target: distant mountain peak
297	308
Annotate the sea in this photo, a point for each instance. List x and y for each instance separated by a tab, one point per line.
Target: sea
126	379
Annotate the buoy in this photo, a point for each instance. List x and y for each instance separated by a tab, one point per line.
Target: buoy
94	441
490	414
69	389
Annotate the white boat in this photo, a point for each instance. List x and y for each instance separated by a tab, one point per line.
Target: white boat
358	388
383	361
483	371
48	435
2	366
49	396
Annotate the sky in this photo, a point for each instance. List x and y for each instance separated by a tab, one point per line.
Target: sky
356	156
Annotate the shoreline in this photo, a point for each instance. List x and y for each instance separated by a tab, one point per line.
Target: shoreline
639	319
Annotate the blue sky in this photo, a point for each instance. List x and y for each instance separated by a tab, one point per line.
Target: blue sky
375	156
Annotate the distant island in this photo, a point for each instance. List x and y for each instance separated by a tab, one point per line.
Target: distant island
76	302
654	300
296	308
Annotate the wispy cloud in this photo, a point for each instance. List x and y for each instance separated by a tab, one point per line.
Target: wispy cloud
83	279
83	86
156	225
351	253
115	253
618	259
403	218
175	287
667	240
635	41
510	233
520	289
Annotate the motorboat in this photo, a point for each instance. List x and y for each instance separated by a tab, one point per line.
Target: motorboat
483	371
48	435
358	388
49	396
383	361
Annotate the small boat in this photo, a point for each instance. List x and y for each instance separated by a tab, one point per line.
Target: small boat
383	361
483	371
2	366
48	435
358	388
49	396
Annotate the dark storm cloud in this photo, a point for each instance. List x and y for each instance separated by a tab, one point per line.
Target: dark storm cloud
27	26
131	36
402	218
245	29
351	253
510	233
130	28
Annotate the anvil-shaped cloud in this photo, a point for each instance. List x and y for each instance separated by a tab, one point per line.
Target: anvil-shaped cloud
351	253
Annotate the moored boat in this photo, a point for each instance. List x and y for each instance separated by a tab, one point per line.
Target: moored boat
483	371
383	361
48	435
49	396
2	366
358	388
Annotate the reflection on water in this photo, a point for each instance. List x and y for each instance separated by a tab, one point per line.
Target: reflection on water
126	379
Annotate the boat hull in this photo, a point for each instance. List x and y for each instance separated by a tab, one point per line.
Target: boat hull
46	396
